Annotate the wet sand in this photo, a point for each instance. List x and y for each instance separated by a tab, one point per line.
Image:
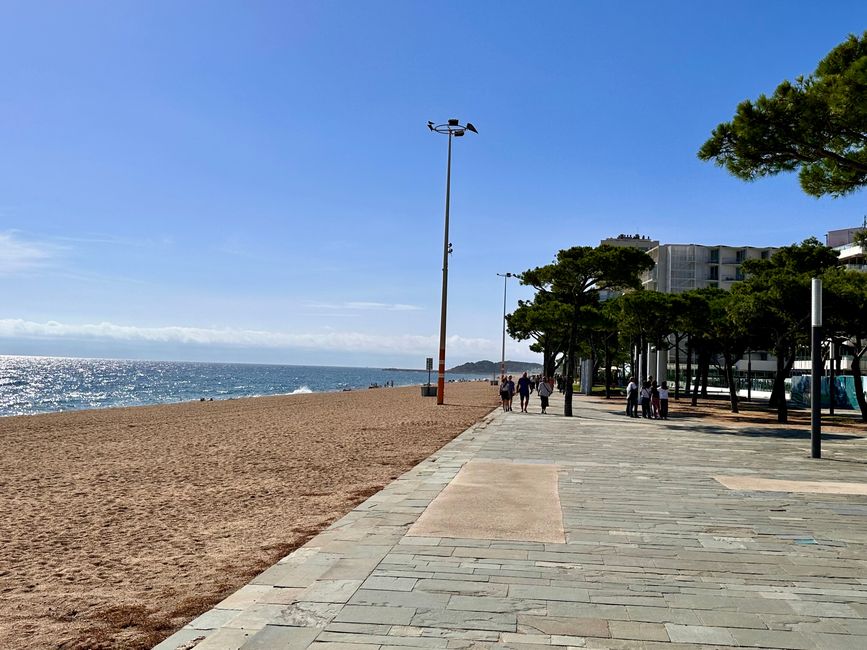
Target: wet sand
119	526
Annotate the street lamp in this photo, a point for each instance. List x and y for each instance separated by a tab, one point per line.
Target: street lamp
505	277
451	128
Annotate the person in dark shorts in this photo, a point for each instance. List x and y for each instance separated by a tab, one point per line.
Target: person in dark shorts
505	395
524	392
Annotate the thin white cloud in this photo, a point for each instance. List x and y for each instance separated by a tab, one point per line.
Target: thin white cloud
18	255
366	306
331	340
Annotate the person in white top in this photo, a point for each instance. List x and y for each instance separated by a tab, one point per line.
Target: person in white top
632	398
663	400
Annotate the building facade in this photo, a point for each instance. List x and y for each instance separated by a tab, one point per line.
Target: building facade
683	267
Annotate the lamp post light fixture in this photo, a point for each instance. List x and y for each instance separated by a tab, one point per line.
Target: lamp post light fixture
505	277
452	128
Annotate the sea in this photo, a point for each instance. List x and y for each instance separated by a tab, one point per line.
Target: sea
31	385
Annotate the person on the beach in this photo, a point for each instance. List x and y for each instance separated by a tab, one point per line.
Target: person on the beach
644	399
544	389
654	400
524	392
505	395
511	391
632	398
663	400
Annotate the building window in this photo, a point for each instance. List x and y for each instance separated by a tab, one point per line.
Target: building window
714	255
739	274
766	255
741	255
714	273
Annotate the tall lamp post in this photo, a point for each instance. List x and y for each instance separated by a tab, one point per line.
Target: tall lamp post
505	277
452	128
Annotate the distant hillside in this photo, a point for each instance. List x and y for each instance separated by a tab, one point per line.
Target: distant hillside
492	367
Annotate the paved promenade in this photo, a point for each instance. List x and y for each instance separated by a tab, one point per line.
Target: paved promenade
666	535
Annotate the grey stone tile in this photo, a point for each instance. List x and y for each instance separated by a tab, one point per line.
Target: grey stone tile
465	620
376	614
463	587
488	604
413	599
564	626
713	618
534	592
310	615
772	639
359	628
226	639
389	583
359	645
330	591
414	641
638	631
213	619
184	638
699	634
273	637
350	569
663	615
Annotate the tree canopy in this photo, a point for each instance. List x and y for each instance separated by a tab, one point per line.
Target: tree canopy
816	125
575	279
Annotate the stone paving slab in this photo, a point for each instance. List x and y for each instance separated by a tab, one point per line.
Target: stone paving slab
654	552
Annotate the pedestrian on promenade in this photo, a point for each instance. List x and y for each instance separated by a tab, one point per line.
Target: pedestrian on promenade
504	392
524	392
632	398
644	397
654	400
663	400
544	389
511	391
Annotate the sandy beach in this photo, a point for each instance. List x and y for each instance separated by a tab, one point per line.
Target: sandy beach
121	525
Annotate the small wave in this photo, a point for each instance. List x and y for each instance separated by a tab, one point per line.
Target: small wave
301	391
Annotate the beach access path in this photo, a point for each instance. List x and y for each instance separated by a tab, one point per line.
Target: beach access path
597	531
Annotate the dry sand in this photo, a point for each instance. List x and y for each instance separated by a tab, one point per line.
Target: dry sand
119	526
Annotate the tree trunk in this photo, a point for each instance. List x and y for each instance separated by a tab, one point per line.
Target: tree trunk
856	377
785	362
705	369
699	363
730	379
779	381
677	366
688	366
570	365
547	361
607	371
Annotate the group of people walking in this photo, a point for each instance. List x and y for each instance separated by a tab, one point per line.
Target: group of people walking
525	386
652	398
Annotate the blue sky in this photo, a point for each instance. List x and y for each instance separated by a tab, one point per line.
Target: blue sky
254	181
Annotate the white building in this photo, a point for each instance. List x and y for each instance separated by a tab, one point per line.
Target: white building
682	267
